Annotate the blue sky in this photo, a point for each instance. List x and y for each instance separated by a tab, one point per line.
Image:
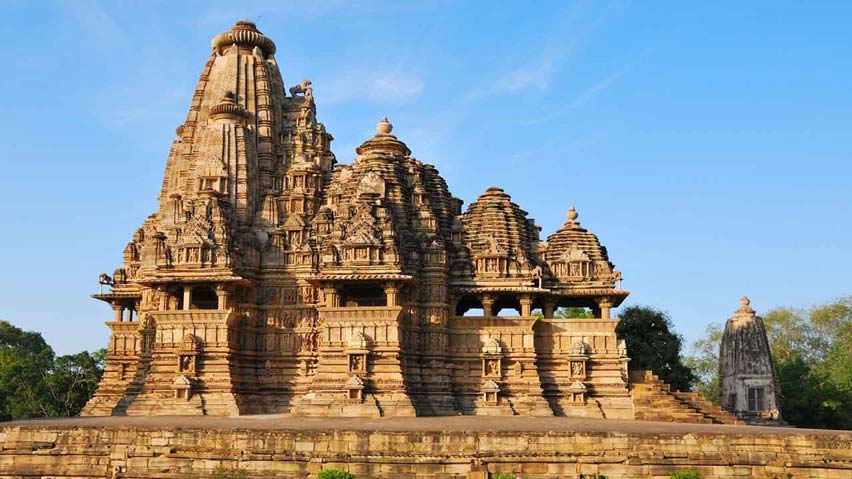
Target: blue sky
706	143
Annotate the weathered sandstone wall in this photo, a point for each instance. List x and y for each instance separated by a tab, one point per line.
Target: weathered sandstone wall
67	450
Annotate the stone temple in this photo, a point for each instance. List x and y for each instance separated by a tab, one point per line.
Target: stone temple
273	279
748	386
277	285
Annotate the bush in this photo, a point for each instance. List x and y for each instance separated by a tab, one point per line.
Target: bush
334	474
685	474
223	472
503	475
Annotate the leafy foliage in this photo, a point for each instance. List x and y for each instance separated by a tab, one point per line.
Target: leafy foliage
652	345
686	474
502	475
34	382
335	474
223	472
573	313
704	363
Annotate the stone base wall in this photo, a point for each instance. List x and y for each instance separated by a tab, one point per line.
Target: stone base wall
28	451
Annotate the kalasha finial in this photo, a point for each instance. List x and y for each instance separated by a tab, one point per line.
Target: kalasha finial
384	127
572	214
745	306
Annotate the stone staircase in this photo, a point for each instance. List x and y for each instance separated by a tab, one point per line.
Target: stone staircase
653	400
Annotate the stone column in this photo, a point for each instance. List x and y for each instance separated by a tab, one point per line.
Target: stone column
187	297
605	304
222	296
548	308
332	297
487	305
526	306
392	293
118	312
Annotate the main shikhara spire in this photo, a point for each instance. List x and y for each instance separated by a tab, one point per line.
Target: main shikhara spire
273	279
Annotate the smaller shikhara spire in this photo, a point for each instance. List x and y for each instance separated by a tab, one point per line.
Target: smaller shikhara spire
747	383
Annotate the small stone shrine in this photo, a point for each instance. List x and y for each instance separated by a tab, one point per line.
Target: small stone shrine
748	387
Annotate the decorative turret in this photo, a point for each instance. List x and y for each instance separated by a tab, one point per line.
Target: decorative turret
383	142
574	255
228	110
501	238
748	386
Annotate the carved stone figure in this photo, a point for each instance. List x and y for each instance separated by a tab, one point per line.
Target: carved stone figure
304	87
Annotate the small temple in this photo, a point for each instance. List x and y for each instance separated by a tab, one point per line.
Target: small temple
748	386
273	279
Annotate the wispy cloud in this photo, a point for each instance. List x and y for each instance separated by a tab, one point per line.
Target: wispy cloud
596	89
370	85
92	18
530	76
580	99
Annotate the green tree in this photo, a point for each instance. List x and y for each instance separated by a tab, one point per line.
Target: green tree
36	383
652	345
25	361
73	380
573	313
704	363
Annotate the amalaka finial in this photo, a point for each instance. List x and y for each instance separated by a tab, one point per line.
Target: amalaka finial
384	127
744	301
572	214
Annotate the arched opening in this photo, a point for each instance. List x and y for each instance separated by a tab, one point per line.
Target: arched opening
469	305
360	295
507	306
204	297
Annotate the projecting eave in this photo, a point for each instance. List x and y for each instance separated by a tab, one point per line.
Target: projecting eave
195	278
617	295
320	278
112	297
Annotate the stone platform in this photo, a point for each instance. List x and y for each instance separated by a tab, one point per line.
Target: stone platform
447	448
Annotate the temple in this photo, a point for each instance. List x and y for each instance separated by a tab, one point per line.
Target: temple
748	387
273	279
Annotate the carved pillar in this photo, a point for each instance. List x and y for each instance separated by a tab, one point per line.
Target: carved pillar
487	305
605	304
118	311
392	294
526	306
187	297
222	296
332	297
548	308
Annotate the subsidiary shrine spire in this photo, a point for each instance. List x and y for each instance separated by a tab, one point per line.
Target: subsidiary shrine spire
272	279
